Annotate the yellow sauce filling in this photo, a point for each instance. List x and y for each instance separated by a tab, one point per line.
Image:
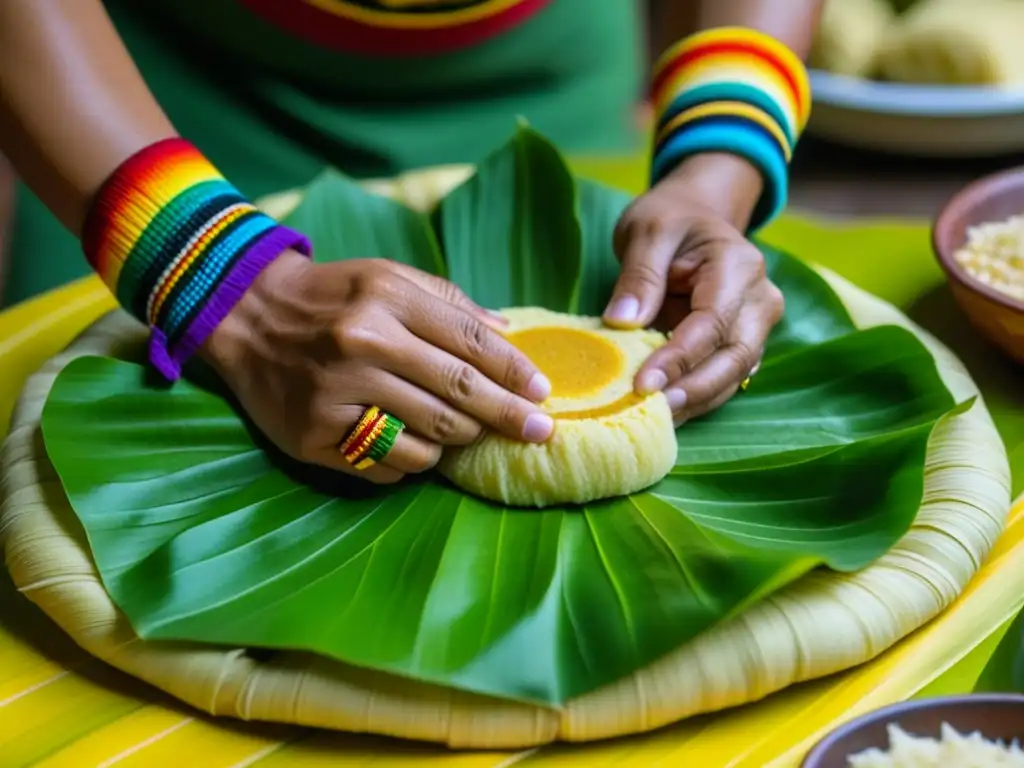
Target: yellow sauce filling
576	362
624	402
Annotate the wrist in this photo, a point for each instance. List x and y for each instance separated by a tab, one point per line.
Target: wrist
730	93
728	184
179	246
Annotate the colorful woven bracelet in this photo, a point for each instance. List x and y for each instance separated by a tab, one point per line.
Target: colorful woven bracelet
732	90
179	246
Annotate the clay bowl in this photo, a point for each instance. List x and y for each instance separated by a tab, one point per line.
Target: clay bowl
997	716
997	197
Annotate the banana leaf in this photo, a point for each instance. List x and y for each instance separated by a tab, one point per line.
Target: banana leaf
203	531
1004	672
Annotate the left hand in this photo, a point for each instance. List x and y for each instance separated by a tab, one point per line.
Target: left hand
688	268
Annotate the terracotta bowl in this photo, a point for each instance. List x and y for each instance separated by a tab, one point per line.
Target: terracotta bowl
997	716
998	317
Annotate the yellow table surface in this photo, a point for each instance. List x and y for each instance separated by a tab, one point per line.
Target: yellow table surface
60	708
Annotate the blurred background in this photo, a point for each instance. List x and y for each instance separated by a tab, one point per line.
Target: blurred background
912	99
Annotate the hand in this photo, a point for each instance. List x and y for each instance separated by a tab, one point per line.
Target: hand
687	267
310	346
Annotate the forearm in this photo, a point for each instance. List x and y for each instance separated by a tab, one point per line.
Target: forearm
792	22
73	104
728	183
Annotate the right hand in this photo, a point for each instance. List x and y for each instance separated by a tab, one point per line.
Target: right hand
310	346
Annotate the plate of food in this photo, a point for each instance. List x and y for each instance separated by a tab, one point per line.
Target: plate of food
940	78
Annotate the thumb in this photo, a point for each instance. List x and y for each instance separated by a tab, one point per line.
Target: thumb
640	290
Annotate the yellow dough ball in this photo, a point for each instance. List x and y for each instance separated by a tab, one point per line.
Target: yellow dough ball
608	441
849	36
957	42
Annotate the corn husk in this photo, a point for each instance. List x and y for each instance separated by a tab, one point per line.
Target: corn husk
821	624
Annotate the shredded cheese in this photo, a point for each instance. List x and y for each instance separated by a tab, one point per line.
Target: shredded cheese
951	749
994	255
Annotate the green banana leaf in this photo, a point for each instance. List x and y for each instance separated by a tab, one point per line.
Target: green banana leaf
1004	672
203	531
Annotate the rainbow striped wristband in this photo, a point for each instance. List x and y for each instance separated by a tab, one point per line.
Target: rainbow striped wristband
179	246
733	90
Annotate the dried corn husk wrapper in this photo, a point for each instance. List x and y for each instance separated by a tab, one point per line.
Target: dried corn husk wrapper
823	623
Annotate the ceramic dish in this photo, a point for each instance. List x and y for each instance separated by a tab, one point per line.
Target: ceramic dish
999	317
997	716
922	120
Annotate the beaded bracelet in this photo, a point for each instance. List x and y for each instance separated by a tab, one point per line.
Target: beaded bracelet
179	246
732	90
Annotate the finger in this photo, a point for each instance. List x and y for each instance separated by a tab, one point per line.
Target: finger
412	455
447	291
693	341
646	253
462	335
331	457
468	390
720	291
684	415
422	413
727	367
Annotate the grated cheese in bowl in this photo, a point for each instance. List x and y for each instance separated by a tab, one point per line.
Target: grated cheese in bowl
951	750
994	255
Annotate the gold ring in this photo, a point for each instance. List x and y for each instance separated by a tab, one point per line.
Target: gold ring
372	438
746	382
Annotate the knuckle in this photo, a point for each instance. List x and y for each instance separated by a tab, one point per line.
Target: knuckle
742	356
635	222
508	415
627	221
776	302
643	273
461	383
678	364
749	259
428	459
443	427
379	279
451	292
718	327
355	339
518	371
477	339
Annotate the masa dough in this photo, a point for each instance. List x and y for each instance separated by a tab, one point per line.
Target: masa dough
849	35
955	42
608	441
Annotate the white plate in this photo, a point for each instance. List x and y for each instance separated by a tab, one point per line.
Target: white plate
925	120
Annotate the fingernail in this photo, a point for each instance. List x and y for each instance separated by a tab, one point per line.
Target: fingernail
676	399
625	309
653	381
538	427
539	388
